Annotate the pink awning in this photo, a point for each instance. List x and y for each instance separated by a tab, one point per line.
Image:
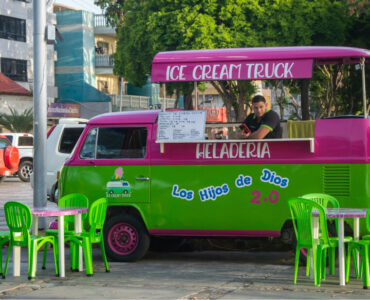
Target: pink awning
248	63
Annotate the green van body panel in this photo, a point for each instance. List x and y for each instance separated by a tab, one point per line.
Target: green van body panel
172	198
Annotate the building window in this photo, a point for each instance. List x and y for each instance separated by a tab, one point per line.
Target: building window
102	48
103	86
15	69
12	29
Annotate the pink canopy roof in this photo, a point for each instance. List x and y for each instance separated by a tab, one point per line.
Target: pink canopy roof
249	63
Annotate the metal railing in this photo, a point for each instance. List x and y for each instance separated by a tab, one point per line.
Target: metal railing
170	103
101	21
104	60
130	102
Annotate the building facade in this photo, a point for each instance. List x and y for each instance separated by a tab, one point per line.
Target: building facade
16	52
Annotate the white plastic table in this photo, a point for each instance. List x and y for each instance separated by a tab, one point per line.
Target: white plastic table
341	214
53	212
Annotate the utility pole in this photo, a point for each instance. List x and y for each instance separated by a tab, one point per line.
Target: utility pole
39	104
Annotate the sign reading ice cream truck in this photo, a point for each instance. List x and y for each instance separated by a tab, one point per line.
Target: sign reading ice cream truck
226	188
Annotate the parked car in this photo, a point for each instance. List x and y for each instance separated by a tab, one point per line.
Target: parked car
9	158
61	139
24	144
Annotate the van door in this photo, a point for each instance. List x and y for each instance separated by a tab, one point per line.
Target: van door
114	163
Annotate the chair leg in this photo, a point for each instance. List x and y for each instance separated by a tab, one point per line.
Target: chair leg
323	263
104	255
44	256
73	248
7	260
32	263
87	249
355	262
308	263
348	261
332	261
296	264
317	251
1	261
366	274
56	256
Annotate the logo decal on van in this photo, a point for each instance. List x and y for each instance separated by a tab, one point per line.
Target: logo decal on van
118	187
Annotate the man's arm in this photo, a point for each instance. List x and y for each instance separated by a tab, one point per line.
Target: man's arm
260	133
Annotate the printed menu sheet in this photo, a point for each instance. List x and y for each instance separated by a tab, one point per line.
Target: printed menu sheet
181	125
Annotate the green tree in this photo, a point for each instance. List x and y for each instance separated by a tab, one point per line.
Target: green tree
148	27
16	122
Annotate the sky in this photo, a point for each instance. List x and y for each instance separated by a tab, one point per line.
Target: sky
81	4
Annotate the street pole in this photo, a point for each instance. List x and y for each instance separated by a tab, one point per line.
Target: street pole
196	94
120	93
39	104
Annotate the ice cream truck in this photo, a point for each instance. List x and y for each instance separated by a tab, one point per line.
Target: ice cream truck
217	188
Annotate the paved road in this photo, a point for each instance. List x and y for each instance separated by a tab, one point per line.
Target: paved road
13	189
184	275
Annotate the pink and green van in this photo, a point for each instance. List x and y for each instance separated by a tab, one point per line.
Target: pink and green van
216	188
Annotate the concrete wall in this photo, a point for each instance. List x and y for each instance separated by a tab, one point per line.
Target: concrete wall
19	103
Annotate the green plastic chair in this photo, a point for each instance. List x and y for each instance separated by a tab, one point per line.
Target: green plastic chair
19	219
363	247
4	238
96	218
326	201
70	200
301	211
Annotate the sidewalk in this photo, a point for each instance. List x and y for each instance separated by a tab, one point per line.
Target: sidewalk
170	275
180	275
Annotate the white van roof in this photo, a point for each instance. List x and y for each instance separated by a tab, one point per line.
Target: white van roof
72	121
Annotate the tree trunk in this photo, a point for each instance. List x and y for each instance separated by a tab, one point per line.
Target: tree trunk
188	102
177	98
304	99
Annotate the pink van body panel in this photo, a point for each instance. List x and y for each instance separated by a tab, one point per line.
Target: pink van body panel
351	146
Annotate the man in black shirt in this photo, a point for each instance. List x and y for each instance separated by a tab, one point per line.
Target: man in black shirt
263	123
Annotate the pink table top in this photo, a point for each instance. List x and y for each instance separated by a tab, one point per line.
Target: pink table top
57	211
344	212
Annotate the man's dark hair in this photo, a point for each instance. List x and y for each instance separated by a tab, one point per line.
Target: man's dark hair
258	98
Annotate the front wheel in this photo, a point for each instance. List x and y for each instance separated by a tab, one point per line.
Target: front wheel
24	170
126	238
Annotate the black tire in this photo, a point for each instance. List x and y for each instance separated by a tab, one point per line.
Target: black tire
126	238
54	193
24	170
2	178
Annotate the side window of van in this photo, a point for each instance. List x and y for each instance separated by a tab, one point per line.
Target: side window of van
115	143
88	149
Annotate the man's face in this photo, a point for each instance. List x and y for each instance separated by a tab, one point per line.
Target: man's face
259	108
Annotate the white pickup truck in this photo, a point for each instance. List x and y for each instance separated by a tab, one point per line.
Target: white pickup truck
24	143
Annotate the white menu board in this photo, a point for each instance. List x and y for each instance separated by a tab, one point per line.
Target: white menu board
181	125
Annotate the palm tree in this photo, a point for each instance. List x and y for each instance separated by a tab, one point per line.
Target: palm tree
15	122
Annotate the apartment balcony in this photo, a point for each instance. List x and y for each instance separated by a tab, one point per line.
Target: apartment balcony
104	63
102	27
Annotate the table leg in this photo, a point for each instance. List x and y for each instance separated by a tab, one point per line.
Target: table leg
341	251
356	237
78	229
17	261
61	246
315	234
